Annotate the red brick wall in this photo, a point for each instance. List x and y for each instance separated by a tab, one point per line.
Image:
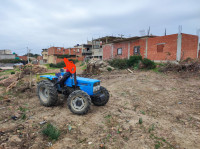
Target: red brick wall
124	46
141	43
107	51
169	50
189	46
55	50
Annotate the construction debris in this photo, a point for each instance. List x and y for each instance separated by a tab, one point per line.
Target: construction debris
97	66
185	66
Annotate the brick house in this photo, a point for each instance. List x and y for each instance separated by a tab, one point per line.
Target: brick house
174	47
55	53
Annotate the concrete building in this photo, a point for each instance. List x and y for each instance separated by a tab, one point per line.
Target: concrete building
174	47
45	55
6	54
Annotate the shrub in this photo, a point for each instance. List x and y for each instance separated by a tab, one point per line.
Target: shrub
51	131
148	64
119	63
109	69
12	72
63	56
12	61
134	60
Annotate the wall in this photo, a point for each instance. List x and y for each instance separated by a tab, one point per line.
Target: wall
7	56
189	46
107	50
169	50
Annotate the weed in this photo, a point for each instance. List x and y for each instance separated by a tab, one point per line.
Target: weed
109	69
108	116
142	112
152	127
22	109
84	67
158	144
51	132
23	116
140	121
12	72
82	64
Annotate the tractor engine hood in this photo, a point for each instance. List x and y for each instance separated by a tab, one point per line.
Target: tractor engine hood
81	80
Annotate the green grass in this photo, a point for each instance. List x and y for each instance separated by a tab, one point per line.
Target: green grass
51	132
48	67
84	67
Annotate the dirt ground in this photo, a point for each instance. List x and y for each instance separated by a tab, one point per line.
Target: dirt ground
146	110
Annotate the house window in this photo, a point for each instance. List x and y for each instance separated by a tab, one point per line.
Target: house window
78	50
160	47
119	51
136	50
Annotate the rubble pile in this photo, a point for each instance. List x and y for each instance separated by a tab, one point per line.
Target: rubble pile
97	66
185	66
34	69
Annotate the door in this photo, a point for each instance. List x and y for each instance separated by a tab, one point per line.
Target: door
136	50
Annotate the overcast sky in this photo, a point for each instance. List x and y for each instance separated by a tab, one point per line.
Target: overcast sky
39	24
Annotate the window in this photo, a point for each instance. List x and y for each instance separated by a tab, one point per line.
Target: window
136	50
119	51
78	50
160	47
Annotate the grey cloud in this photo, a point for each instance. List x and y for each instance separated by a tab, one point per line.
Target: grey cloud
40	24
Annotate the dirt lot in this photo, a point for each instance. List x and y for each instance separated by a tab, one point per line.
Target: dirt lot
146	110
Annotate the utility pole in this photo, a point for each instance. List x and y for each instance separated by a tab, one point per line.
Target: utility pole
28	51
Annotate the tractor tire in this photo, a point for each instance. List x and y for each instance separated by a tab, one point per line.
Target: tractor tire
47	93
79	102
97	101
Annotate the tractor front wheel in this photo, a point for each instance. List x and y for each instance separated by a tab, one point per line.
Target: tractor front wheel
47	93
102	99
79	102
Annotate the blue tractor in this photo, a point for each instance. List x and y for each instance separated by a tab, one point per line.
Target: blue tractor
80	92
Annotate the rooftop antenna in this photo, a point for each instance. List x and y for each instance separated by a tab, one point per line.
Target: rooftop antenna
165	32
148	31
179	29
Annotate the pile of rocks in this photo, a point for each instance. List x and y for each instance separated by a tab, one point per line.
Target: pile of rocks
98	66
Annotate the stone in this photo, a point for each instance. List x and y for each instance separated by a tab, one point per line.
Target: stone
14	138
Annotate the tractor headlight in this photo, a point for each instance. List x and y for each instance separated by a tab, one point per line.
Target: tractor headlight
96	87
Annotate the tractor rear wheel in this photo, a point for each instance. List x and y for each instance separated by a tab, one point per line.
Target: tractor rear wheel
98	101
79	102
47	93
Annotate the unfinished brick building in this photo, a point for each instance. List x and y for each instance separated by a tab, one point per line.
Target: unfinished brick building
54	54
174	47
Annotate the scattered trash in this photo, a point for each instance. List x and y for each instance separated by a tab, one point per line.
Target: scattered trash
2	108
49	144
43	122
179	102
14	117
89	142
69	128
